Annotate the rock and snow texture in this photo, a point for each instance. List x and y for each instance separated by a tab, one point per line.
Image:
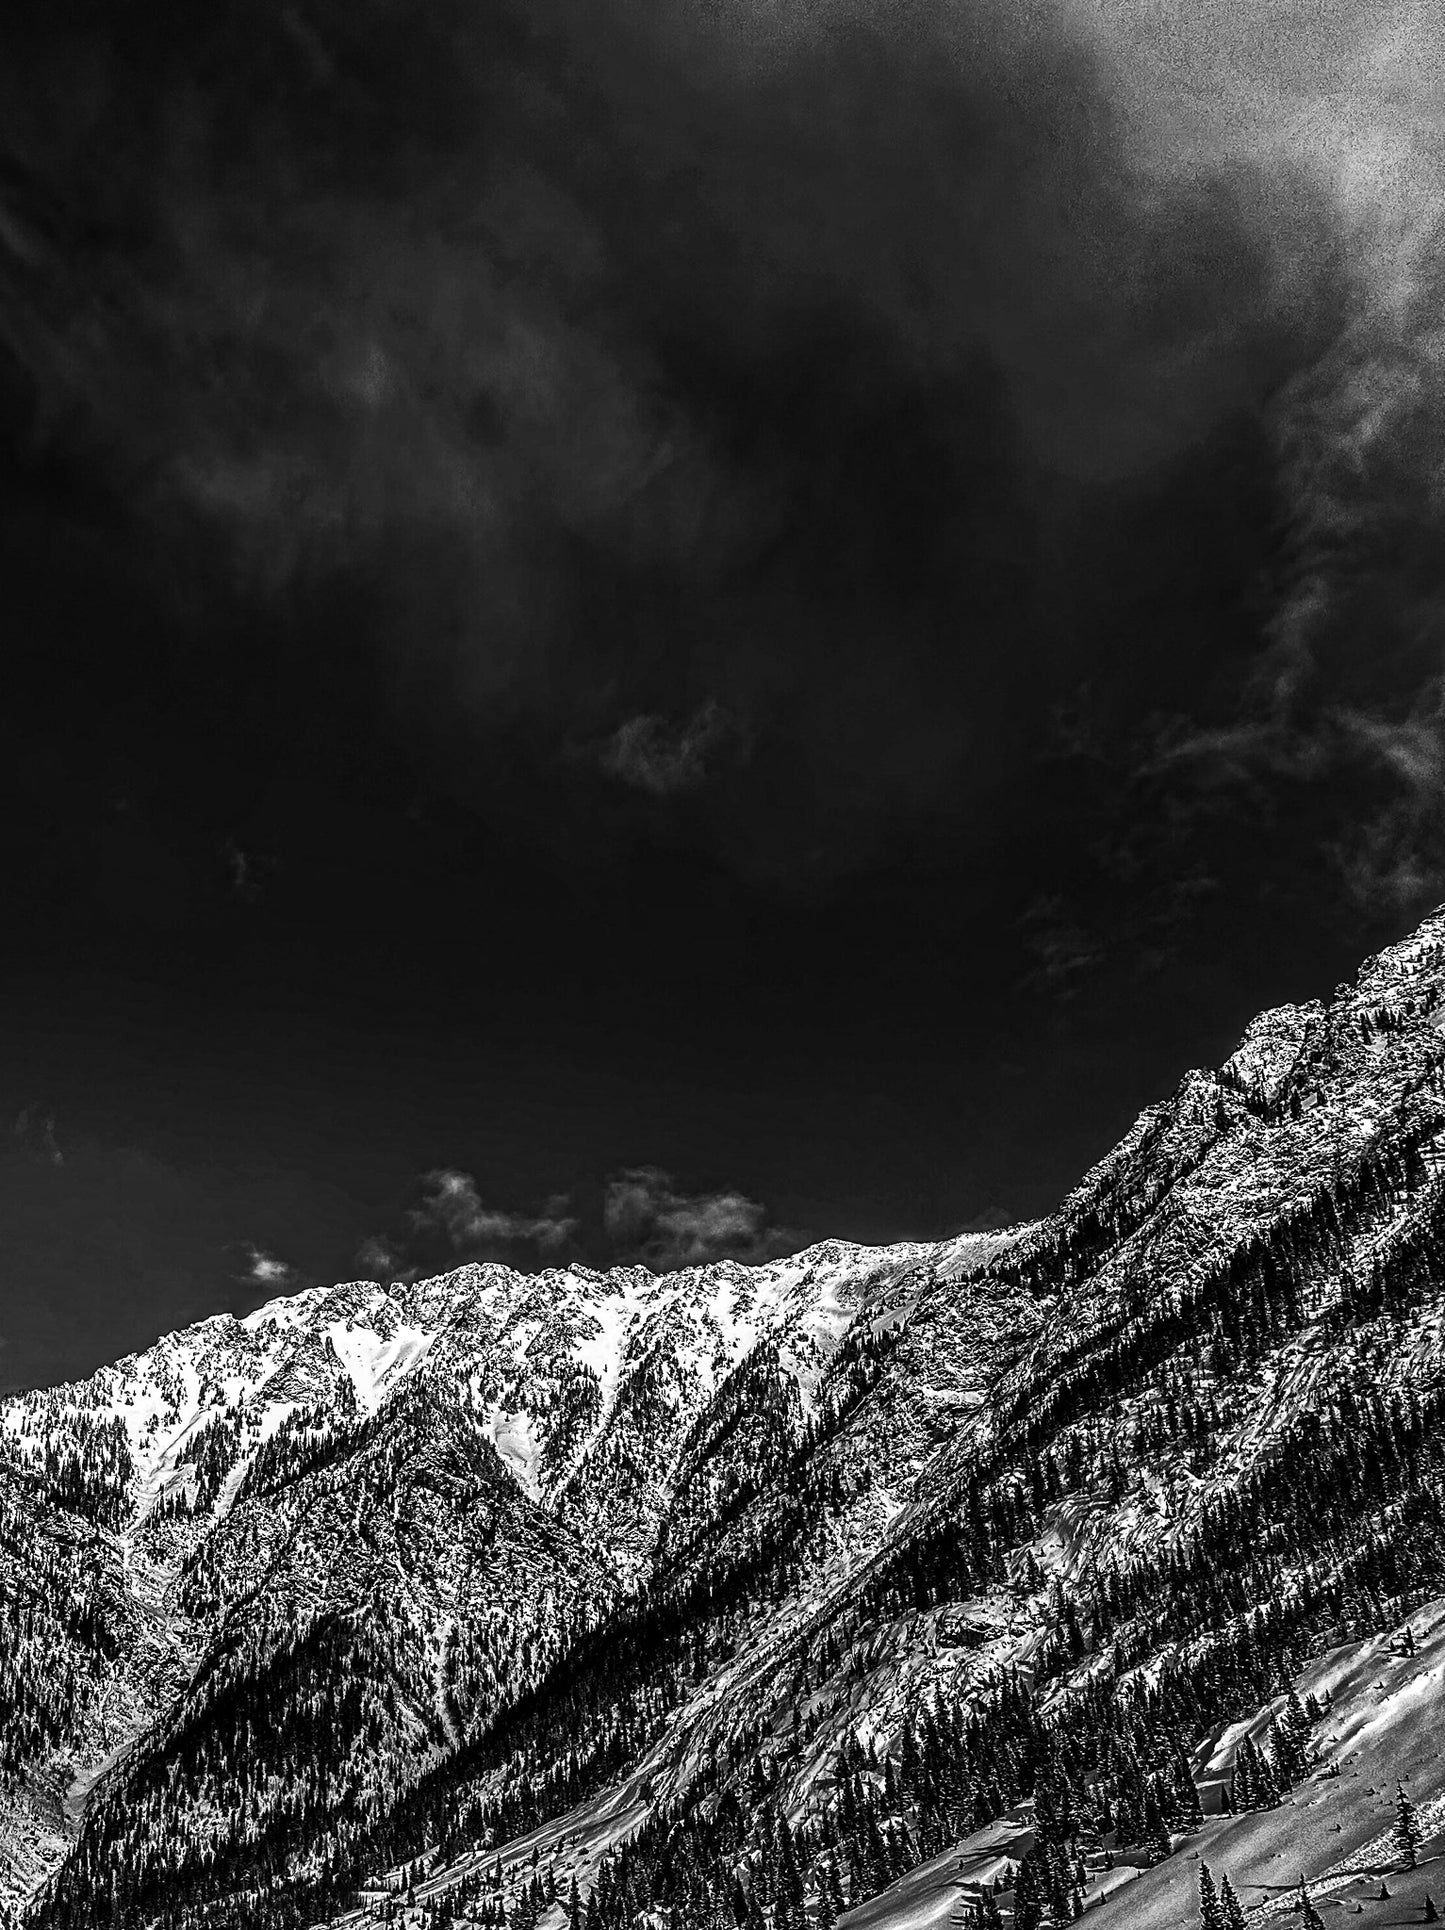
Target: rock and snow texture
1386	1724
573	1393
588	1544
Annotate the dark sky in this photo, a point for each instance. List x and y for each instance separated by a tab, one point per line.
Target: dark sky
643	630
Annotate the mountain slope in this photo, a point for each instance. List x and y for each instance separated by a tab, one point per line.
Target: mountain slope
734	1594
431	1489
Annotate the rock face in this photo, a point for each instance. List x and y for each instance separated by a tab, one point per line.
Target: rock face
806	1570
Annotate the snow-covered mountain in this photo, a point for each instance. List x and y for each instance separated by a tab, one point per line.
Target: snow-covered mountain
732	1595
477	1465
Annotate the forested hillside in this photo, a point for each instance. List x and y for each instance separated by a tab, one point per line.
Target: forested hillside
736	1597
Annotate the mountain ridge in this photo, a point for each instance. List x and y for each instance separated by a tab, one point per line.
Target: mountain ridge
810	1567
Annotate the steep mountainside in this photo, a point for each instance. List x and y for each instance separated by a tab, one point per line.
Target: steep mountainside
389	1512
729	1597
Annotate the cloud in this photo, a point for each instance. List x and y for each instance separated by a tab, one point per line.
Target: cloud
452	1206
245	873
1063	952
1392	860
381	1259
263	1269
1411	749
754	406
1375	776
34	1134
647	1218
118	1244
451	1219
654	755
1338	714
820	390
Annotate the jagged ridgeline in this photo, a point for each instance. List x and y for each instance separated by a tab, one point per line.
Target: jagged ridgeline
740	1593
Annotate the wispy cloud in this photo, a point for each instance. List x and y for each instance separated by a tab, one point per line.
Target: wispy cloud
647	1218
381	1259
266	1270
1394	859
453	1207
663	758
34	1133
1062	950
1384	763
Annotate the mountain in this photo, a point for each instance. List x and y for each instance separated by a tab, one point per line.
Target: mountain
401	1506
746	1597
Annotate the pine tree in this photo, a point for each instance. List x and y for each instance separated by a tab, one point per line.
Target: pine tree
1407	1828
1156	1830
1211	1916
1291	1735
1310	1918
1243	1792
834	1887
1257	1784
1028	1896
1229	1906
